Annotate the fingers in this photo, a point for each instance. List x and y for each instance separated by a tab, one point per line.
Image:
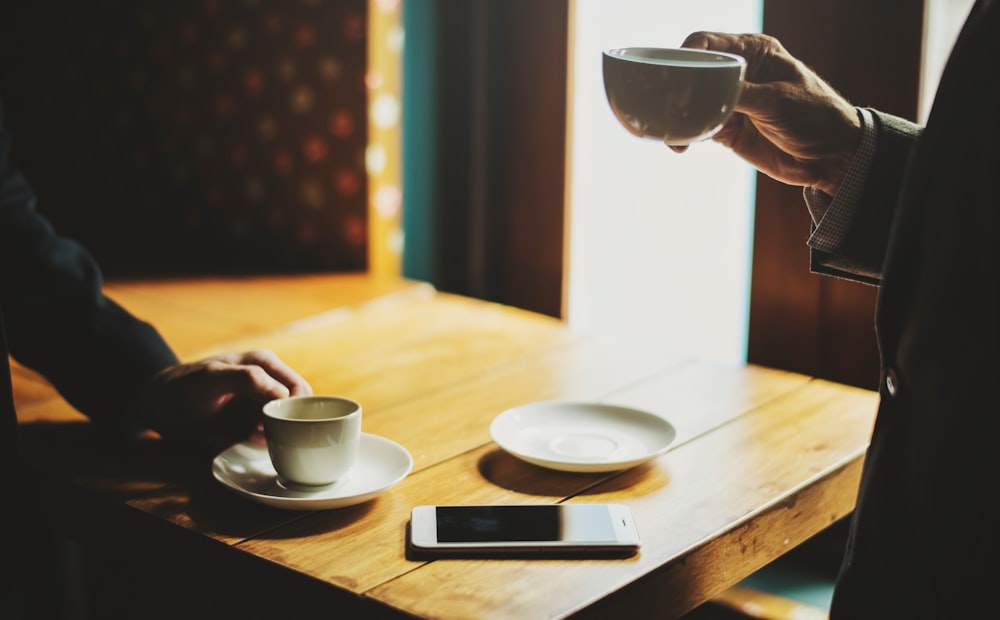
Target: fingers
224	398
255	376
271	365
746	45
219	395
296	384
755	48
256	382
245	382
767	59
718	41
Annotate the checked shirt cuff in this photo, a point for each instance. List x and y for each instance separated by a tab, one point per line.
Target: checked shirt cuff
832	216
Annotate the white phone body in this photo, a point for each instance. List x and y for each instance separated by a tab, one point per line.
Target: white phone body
558	529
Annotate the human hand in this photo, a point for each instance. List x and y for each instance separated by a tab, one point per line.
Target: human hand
218	397
789	123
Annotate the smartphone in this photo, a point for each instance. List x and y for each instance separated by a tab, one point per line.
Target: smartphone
552	529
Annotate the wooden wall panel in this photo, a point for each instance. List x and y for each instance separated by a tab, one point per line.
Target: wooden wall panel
492	151
870	51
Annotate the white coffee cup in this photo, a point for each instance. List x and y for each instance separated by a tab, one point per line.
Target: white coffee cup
312	440
677	96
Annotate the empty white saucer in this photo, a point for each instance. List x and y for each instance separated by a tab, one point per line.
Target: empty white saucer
246	469
582	436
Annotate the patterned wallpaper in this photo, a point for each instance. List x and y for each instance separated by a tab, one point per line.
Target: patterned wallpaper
195	136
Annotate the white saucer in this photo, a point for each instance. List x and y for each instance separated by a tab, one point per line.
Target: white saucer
246	469
581	436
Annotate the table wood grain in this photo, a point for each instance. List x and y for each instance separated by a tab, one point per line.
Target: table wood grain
763	460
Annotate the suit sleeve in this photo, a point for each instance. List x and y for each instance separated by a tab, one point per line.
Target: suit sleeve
58	320
861	250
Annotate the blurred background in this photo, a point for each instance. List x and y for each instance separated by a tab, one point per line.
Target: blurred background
194	136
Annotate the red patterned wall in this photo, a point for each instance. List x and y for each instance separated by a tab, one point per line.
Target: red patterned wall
194	136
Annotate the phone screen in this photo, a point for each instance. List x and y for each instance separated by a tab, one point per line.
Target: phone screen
523	523
575	528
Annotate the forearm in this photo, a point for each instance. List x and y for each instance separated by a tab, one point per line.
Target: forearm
58	321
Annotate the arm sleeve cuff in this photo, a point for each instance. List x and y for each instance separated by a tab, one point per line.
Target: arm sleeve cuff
832	216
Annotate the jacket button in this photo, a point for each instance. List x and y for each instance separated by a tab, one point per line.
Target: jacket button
891	382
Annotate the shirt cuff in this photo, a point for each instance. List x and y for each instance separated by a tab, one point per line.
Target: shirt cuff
832	216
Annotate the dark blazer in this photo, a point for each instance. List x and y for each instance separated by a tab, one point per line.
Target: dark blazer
55	318
925	536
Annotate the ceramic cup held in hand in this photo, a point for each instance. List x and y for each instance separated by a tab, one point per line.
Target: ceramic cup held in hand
677	96
312	440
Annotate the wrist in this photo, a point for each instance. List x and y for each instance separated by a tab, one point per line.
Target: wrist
839	165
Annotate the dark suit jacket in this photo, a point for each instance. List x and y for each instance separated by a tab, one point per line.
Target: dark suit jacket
55	319
925	537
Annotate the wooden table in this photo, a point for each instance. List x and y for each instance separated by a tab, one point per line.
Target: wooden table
763	460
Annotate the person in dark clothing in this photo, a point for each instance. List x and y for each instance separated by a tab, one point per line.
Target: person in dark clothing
108	364
914	210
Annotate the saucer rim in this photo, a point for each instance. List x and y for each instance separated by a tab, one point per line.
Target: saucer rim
321	501
583	466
